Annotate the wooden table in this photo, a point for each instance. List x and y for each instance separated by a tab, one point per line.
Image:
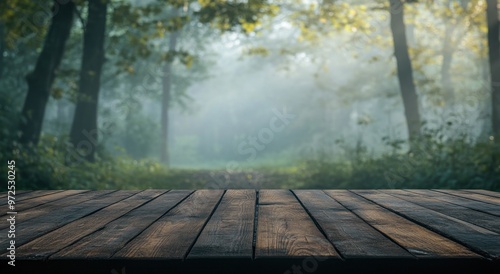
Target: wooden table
248	231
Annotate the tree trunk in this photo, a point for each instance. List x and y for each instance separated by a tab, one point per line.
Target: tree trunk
61	113
167	90
3	33
404	69
41	79
447	52
84	128
494	56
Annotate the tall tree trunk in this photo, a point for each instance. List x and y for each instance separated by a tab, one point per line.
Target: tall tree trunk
3	33
167	90
84	127
41	79
447	53
61	113
404	69
494	56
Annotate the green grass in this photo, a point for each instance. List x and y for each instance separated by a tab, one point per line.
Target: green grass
430	164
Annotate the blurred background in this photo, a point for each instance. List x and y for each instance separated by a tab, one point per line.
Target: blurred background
129	94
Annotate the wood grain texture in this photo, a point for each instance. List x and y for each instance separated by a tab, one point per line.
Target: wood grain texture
171	236
459	201
473	196
479	218
473	236
284	229
237	231
39	226
23	196
484	192
229	232
57	239
419	241
54	206
24	203
352	236
102	244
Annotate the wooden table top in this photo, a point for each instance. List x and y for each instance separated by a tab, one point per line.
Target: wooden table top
249	231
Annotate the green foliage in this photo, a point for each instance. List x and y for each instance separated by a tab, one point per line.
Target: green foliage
228	14
137	50
432	163
48	166
26	21
329	17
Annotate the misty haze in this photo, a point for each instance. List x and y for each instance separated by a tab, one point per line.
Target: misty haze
126	94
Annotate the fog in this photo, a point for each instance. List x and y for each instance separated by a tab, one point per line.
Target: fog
269	86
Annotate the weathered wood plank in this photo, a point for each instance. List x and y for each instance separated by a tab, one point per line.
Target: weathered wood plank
229	232
29	195
472	196
473	204
418	240
484	192
61	237
352	236
38	201
105	242
479	218
19	193
284	229
478	238
24	193
171	236
55	206
38	226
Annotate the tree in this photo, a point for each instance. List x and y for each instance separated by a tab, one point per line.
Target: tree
404	68
41	79
494	58
84	126
447	53
166	96
2	47
245	15
167	88
147	25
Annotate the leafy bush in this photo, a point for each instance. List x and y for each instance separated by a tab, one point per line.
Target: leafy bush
431	163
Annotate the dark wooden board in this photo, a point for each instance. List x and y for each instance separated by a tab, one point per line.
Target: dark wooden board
62	237
475	237
459	201
55	206
473	196
418	240
229	233
102	244
352	236
41	225
284	229
275	231
38	201
479	218
19	194
484	192
171	236
29	195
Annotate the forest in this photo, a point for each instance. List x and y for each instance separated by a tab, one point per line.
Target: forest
136	94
